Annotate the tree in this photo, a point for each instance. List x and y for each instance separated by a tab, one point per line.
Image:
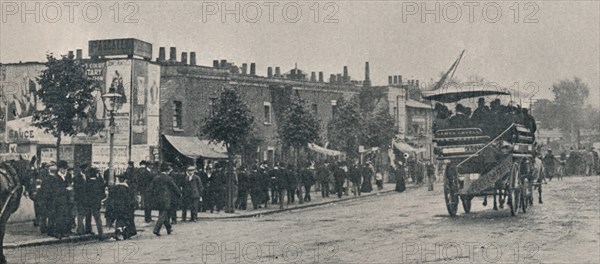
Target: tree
344	130
66	93
379	128
298	128
231	124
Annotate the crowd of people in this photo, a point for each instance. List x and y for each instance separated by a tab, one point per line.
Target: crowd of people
492	120
576	162
66	200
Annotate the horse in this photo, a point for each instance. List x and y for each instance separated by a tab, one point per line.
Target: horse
500	193
14	179
539	176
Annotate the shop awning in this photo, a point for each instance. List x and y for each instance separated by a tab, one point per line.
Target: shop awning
322	150
194	148
406	148
416	104
22	131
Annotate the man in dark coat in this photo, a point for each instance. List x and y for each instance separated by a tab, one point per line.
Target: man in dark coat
355	178
308	180
339	174
178	179
59	201
191	189
203	196
123	199
291	182
481	117
80	195
145	177
217	188
459	119
94	189
41	197
243	188
164	190
323	172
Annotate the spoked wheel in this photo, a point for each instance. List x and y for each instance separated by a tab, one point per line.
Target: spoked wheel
451	191
514	190
527	197
466	202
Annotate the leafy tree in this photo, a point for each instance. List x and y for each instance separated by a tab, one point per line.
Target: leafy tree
379	128
66	93
231	124
344	130
298	128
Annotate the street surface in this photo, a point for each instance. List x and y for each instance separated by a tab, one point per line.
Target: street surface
395	227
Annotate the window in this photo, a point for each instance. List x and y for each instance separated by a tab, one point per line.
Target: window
267	113
212	106
315	109
333	108
177	110
270	155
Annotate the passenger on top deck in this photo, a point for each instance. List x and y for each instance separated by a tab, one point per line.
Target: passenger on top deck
442	117
460	119
482	118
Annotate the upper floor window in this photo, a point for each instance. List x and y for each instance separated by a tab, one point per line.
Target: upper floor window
267	113
177	114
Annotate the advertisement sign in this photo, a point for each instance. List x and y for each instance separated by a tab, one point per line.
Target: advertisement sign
118	77
97	71
153	104
100	156
18	86
139	101
110	47
121	136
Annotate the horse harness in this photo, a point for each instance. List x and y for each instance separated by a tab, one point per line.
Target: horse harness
7	181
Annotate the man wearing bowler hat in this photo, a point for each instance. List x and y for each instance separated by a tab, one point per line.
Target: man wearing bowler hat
164	190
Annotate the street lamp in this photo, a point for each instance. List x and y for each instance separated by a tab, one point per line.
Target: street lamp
111	102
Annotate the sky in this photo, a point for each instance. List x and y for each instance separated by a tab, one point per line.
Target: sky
523	46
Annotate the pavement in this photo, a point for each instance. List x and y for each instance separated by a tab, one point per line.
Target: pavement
24	234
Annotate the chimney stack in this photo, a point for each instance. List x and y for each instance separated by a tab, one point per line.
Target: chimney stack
417	83
173	54
193	58
320	76
270	72
79	54
395	79
161	54
253	68
400	79
244	68
223	64
338	78
71	54
346	74
390	81
332	78
313	76
184	58
367	81
216	64
277	72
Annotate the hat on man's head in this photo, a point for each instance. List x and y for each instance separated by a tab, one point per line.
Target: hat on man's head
62	164
130	163
143	163
481	100
165	166
83	166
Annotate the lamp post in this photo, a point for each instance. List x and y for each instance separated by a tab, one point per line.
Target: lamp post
111	103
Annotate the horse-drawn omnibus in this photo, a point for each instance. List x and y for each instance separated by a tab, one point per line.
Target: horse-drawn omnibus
479	163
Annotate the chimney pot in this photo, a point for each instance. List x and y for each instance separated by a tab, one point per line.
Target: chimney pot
184	58
193	58
395	79
320	76
253	68
173	54
313	76
390	81
216	64
244	68
277	72
71	54
367	81
223	64
417	83
270	72
332	78
346	79
79	54
161	54
339	78
400	79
